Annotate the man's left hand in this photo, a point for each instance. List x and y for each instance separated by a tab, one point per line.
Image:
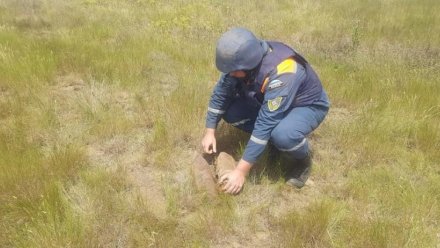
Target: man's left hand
233	181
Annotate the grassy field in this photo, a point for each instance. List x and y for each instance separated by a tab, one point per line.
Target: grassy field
102	107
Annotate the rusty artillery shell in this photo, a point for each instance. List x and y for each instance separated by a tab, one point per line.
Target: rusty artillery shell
203	176
225	164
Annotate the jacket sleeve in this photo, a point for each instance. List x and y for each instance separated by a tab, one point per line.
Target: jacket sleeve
221	97
280	94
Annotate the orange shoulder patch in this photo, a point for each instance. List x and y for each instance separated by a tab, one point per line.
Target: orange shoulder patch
287	66
263	87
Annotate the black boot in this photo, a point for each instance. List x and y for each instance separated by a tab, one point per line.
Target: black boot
298	175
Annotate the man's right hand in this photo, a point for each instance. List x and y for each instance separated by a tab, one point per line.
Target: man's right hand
208	142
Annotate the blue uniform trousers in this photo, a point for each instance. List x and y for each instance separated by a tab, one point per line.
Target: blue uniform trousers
290	135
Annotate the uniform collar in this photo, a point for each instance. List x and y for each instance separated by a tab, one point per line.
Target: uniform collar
265	46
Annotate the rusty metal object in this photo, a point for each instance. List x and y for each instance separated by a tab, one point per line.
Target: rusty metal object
225	164
204	177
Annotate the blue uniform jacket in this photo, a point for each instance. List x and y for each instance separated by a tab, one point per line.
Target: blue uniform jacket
281	84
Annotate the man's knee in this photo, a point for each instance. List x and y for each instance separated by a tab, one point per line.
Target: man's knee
284	139
235	119
293	143
230	117
241	122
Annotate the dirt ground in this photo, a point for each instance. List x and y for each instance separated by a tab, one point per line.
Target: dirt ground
128	151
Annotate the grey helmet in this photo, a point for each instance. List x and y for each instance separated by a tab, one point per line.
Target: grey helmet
238	49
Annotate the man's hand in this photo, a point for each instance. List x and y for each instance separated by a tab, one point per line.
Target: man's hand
234	180
209	143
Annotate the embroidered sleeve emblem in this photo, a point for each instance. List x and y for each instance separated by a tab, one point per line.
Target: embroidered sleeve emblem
275	84
275	103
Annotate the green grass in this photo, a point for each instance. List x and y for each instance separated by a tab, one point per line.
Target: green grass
309	229
102	105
